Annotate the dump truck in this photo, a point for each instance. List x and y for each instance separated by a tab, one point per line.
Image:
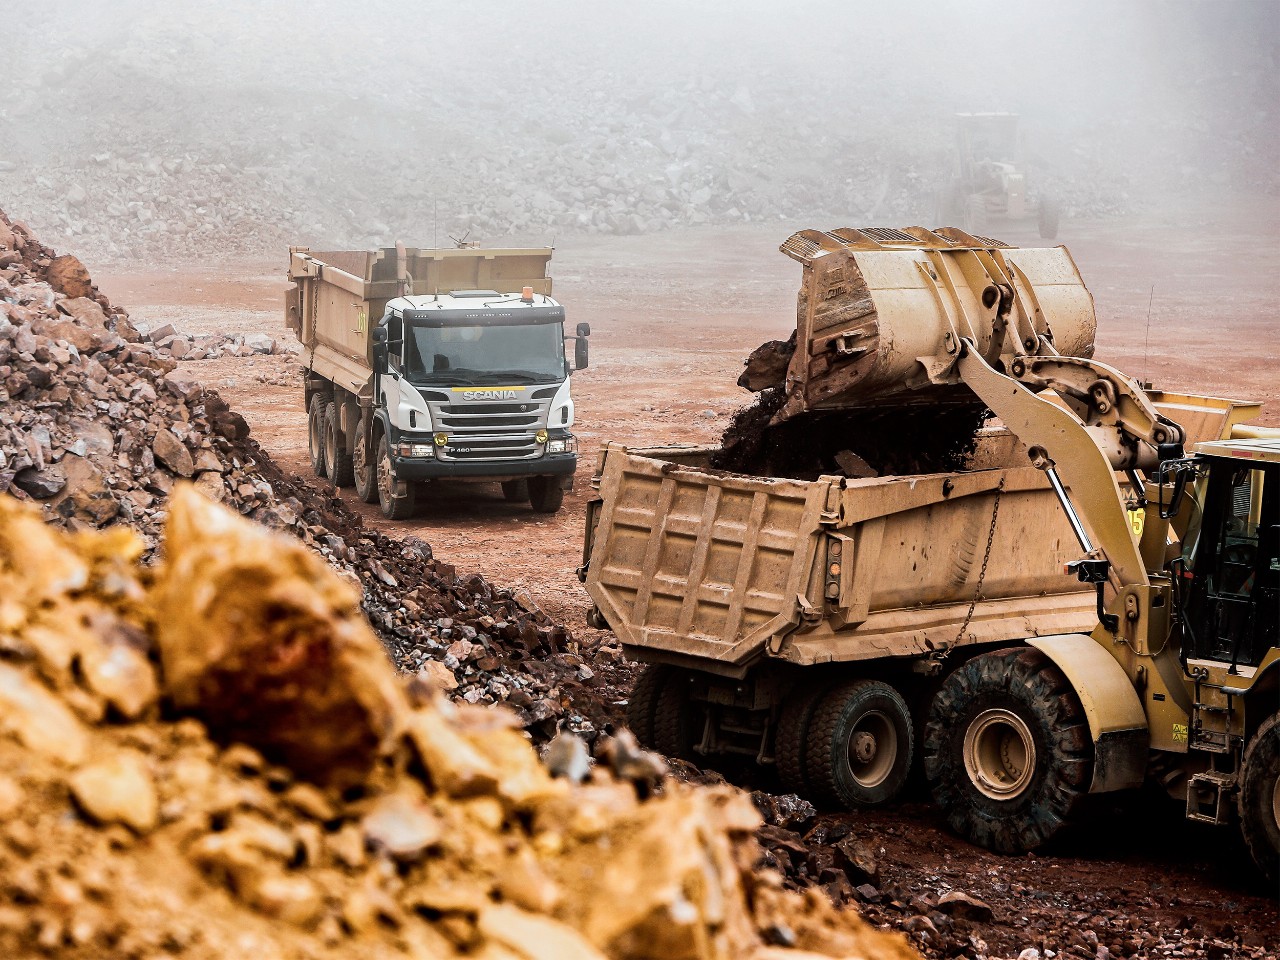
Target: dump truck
426	364
1090	604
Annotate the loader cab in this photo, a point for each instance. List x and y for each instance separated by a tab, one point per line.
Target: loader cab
1232	568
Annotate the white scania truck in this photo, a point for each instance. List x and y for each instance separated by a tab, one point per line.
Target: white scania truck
424	364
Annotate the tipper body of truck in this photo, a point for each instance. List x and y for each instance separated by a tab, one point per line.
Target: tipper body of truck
429	364
1090	603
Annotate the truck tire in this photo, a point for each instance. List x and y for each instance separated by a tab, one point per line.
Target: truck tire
791	736
1007	751
643	701
1260	799
515	491
393	507
315	434
364	467
1047	218
860	745
337	462
545	494
675	718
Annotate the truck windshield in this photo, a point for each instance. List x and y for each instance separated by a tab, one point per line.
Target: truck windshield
516	354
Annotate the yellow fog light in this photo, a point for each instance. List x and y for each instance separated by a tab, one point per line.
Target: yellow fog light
441	439
541	436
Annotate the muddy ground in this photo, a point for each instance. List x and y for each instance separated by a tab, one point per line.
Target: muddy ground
672	317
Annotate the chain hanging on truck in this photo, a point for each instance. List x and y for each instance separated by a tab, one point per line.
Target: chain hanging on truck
982	576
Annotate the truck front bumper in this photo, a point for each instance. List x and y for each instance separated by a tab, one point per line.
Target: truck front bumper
429	468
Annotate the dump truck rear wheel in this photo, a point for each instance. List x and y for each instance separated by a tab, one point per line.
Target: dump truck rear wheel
1007	751
789	740
643	701
393	507
675	716
515	491
1260	799
545	494
859	746
337	462
364	467
315	434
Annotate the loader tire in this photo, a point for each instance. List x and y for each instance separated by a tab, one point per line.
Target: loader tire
337	462
675	718
393	507
1007	750
315	434
1260	799
643	700
545	494
515	491
789	740
860	746
364	467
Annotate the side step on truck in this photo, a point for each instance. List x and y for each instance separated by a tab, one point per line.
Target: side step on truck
1092	604
435	364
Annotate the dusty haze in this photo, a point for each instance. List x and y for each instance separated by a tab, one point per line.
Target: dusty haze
141	129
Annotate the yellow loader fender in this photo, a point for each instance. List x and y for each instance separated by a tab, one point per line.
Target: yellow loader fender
1117	722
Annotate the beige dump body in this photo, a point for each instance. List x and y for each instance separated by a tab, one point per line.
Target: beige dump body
716	570
337	295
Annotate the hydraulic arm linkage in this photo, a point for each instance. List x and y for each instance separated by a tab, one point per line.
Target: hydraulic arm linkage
1106	423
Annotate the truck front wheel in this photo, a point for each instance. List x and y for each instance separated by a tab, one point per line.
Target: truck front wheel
859	745
1260	799
393	507
337	462
315	434
1007	750
545	494
364	467
515	491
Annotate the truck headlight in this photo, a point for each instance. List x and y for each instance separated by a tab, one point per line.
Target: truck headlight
414	449
562	445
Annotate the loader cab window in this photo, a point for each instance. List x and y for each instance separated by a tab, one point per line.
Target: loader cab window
1234	601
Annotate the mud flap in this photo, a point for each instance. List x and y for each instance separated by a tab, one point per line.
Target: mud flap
1117	721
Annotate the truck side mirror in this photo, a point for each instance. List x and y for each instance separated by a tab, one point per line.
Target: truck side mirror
584	329
580	352
379	334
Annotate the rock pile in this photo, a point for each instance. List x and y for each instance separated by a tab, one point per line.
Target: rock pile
97	426
212	758
169	342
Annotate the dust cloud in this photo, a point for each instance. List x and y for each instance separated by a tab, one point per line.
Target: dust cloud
149	129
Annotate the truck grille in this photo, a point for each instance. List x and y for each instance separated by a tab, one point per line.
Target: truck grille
486	430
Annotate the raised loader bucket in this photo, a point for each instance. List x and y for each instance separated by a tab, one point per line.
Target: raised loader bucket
881	313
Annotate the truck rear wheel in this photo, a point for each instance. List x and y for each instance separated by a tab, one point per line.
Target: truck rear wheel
364	468
1260	799
315	434
1007	751
791	736
859	746
337	462
545	494
675	718
515	491
393	507
643	701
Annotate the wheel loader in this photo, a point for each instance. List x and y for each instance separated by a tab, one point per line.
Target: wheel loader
988	181
1090	604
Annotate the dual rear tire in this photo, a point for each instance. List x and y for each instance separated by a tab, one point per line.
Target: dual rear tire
850	746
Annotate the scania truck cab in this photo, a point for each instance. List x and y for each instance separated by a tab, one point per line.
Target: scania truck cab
419	370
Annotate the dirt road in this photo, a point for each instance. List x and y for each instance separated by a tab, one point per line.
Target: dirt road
672	317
